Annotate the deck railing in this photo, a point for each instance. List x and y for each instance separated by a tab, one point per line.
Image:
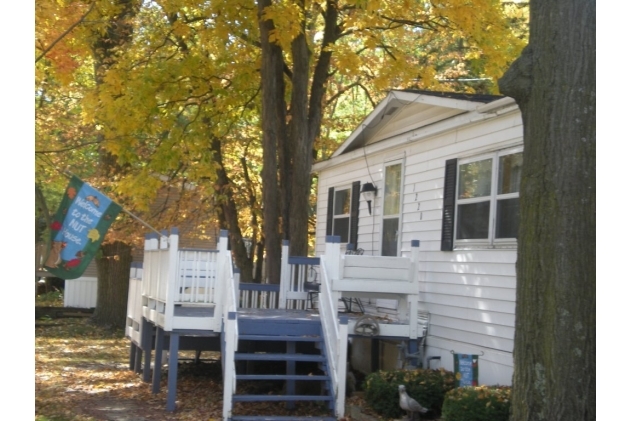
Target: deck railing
180	277
263	296
196	276
297	273
335	331
230	335
134	303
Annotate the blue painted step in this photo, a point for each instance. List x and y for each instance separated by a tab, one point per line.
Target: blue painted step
265	343
288	327
279	357
278	418
307	377
293	338
281	398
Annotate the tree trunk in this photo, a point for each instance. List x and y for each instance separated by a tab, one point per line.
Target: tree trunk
299	146
230	214
114	265
113	283
554	83
273	122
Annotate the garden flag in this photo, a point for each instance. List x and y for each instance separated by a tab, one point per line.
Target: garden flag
466	369
78	228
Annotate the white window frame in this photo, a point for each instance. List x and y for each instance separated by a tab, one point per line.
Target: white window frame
383	204
490	241
343	216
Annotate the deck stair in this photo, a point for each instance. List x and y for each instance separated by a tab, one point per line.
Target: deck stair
287	351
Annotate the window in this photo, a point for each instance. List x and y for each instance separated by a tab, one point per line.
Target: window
391	210
343	212
481	200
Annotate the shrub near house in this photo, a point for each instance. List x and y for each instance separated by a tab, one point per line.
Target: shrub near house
428	387
479	403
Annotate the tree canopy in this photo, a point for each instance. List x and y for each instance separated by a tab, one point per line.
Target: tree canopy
235	99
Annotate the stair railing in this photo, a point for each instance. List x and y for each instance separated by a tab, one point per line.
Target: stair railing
335	333
230	332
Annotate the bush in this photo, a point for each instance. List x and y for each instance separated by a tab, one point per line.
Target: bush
428	387
479	403
50	299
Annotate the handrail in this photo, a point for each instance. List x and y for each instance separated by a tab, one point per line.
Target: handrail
328	315
231	334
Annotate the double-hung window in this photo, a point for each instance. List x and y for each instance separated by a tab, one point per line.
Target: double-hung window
485	207
342	213
391	210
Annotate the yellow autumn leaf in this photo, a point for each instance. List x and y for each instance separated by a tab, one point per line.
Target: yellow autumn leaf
94	235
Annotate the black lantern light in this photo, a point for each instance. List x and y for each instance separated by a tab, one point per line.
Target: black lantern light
369	191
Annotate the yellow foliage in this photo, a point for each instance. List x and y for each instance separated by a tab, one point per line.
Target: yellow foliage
191	72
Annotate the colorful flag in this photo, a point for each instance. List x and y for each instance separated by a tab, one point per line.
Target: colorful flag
78	228
466	369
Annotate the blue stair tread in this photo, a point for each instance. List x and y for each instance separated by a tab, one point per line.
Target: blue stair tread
293	338
281	377
279	357
278	418
280	398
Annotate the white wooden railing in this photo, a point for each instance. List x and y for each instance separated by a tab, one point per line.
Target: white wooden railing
335	332
134	303
264	296
378	277
230	335
296	273
185	277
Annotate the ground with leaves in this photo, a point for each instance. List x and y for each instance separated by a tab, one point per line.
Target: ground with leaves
81	374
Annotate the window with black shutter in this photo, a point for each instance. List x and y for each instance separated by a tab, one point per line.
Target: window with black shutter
343	212
481	200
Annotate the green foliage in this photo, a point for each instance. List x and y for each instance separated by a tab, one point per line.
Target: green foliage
479	403
50	299
428	387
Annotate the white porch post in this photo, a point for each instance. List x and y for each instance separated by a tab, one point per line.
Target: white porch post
413	299
172	276
340	398
222	270
284	275
333	263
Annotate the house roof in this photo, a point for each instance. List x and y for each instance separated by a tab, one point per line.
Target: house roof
404	109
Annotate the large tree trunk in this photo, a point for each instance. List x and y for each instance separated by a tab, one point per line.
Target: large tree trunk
554	83
113	283
299	146
113	267
273	123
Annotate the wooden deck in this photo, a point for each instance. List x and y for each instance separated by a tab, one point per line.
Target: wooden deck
194	299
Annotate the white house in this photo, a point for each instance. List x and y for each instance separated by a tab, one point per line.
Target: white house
446	168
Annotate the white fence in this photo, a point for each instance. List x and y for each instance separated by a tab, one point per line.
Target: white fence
80	292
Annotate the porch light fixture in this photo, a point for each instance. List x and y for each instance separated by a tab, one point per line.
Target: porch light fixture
369	191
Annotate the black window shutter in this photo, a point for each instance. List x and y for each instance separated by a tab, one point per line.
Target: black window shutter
449	205
354	214
329	212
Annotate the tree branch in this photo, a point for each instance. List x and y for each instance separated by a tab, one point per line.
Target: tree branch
74	25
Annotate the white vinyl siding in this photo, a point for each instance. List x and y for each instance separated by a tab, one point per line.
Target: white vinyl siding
470	293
